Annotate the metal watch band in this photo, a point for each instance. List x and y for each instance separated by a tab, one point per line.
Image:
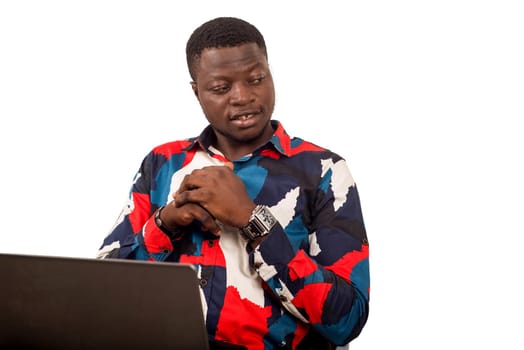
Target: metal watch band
260	223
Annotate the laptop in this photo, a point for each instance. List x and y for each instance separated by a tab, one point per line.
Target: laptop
75	303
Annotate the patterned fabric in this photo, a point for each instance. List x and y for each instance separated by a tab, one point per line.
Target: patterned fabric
311	273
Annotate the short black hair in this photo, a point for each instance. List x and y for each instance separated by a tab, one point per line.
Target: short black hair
221	32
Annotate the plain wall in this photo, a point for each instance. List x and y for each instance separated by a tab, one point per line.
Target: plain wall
424	99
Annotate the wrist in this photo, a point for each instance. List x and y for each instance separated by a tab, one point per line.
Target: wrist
172	232
259	225
246	216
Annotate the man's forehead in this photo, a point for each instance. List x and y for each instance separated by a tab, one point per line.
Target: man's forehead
238	57
248	49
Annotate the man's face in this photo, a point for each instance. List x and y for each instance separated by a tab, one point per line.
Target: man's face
235	89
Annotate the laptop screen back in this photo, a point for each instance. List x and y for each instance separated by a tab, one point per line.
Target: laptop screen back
74	303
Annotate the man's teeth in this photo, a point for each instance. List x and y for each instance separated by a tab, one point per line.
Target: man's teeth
244	116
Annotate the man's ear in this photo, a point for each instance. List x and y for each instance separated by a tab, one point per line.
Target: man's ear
194	87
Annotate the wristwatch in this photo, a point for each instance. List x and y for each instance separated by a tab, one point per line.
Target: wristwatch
260	223
160	224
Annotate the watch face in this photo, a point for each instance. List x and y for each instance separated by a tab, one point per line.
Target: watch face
261	222
265	216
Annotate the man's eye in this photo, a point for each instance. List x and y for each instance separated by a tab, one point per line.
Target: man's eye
219	89
257	80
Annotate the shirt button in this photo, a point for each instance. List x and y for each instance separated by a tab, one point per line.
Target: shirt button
210	243
283	298
257	265
203	282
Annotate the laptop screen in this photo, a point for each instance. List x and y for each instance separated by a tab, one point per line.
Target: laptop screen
75	303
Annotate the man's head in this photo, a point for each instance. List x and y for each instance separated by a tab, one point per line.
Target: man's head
218	33
227	60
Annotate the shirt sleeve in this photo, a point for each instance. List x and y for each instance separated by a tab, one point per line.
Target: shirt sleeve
135	234
324	283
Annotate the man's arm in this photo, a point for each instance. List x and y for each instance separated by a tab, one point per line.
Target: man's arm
122	242
324	285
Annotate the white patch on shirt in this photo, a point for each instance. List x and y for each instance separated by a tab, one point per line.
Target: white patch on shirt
200	160
265	271
314	248
137	176
283	212
129	205
105	250
341	180
239	273
202	296
285	209
286	298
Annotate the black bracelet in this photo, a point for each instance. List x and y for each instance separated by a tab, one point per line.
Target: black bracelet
172	234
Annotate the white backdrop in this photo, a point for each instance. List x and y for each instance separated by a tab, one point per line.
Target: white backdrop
421	97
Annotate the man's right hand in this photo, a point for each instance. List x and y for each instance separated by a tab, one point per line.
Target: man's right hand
175	217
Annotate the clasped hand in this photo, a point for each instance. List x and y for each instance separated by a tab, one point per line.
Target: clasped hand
208	195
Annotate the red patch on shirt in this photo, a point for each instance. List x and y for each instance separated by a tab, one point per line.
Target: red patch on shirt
270	153
344	266
242	322
311	298
300	333
171	148
301	266
155	239
303	147
210	255
139	215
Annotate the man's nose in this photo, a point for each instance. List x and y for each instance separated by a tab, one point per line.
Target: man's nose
241	93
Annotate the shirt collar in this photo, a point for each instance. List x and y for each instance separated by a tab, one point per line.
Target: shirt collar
280	139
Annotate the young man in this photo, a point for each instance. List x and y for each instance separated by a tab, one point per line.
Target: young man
273	224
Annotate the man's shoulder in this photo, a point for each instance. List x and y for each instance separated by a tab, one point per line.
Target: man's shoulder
171	148
300	146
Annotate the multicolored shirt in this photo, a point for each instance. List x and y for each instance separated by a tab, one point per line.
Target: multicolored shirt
309	276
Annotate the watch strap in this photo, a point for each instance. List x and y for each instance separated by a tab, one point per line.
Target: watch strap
160	224
260	223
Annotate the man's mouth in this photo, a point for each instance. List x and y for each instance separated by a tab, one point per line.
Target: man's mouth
244	116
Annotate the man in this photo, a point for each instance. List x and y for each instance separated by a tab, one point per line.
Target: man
273	224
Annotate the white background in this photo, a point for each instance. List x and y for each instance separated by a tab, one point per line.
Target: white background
423	99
